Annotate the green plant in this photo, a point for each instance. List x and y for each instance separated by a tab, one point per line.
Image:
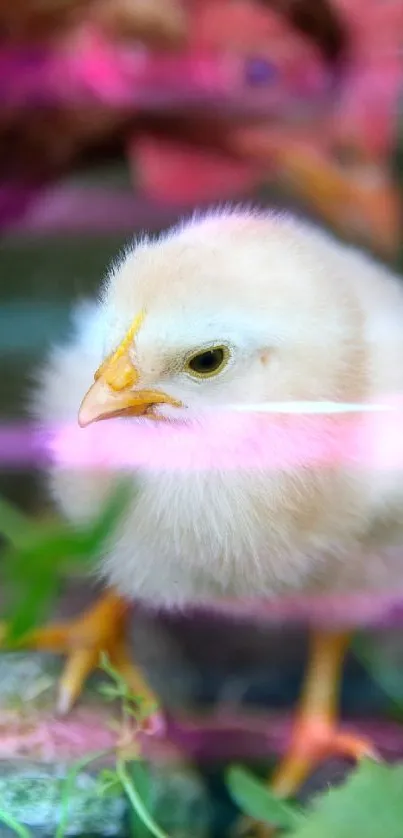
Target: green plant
369	803
128	775
255	799
34	562
39	555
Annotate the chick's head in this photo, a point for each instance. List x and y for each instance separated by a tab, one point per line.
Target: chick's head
233	309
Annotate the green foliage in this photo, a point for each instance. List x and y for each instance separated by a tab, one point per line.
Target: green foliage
255	799
133	707
69	785
131	777
36	558
139	778
369	803
139	810
38	555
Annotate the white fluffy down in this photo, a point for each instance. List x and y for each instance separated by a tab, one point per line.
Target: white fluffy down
306	318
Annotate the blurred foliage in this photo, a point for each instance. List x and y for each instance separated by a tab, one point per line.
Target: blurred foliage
37	555
129	774
253	797
369	803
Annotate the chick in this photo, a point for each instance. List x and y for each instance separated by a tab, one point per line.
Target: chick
195	335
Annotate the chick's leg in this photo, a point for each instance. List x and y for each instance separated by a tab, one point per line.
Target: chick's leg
316	736
100	630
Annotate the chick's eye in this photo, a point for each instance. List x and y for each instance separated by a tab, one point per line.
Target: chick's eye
207	363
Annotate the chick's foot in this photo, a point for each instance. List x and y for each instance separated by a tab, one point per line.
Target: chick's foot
99	631
314	740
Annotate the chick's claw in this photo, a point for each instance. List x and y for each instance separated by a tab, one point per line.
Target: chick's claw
314	741
97	634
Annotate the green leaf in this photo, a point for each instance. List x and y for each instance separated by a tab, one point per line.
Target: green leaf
254	798
370	804
40	554
137	784
37	597
140	779
14	526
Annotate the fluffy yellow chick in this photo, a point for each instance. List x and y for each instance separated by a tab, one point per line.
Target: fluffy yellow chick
195	334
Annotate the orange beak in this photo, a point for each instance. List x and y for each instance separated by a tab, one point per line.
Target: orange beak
113	393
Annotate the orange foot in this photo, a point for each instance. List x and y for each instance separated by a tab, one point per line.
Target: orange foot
99	631
313	742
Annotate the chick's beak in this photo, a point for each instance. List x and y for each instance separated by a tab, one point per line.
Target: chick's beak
112	393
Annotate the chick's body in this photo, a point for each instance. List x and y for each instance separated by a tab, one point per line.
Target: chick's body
301	317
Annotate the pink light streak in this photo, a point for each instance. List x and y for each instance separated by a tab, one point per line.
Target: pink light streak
294	436
224	735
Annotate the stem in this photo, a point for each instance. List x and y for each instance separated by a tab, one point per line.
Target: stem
68	787
10	821
136	801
